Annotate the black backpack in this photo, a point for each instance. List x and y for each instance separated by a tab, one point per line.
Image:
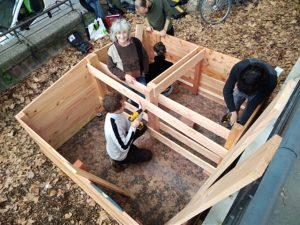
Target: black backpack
76	40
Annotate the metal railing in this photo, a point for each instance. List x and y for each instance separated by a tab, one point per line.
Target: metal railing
18	30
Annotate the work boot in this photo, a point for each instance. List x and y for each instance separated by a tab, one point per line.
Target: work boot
116	166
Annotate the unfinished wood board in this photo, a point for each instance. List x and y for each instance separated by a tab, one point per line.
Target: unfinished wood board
57	120
236	179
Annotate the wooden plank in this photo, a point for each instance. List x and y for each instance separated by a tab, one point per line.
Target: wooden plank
175	66
139	28
197	77
195	117
238	130
137	86
169	80
192	144
100	181
121	216
236	179
65	107
201	139
153	120
180	137
100	86
206	166
102	53
218	65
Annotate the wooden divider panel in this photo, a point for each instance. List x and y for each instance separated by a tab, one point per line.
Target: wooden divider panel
60	111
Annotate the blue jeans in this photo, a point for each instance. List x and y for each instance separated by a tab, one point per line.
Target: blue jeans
95	4
239	98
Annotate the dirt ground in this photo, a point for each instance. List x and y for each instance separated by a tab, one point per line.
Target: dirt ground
34	191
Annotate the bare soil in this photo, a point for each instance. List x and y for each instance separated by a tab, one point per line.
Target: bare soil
34	191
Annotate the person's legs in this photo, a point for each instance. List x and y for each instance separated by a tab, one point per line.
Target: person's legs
238	98
171	31
95	4
137	155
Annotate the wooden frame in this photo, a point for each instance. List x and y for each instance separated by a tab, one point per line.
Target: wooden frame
70	103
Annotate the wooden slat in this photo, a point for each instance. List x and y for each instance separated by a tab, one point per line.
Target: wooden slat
175	66
195	117
201	139
238	130
180	137
206	166
236	179
192	144
169	80
100	181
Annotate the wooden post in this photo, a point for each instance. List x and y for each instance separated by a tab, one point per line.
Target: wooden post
139	28
101	87
153	120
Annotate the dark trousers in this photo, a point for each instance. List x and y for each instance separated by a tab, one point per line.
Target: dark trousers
171	31
135	154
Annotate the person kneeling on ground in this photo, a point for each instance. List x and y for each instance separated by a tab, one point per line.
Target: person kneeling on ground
120	134
159	65
255	80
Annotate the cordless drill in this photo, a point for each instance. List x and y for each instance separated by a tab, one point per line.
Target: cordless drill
135	115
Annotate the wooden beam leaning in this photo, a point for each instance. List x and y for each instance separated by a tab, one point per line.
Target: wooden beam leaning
100	181
177	148
236	179
193	116
171	78
198	137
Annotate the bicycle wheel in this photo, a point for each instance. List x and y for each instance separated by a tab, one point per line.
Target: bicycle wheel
214	11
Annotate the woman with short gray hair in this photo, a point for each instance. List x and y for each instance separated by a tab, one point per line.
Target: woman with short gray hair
127	58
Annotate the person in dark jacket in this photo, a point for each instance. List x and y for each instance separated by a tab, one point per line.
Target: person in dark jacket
159	65
252	80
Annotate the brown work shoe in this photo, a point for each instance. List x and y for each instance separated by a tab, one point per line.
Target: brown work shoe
117	167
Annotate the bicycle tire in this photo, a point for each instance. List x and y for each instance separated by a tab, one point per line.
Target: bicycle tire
215	11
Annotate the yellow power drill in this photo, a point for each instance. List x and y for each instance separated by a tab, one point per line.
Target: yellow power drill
135	115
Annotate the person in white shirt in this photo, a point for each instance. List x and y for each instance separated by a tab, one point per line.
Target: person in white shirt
120	134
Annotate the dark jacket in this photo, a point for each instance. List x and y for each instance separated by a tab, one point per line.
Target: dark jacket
259	97
157	67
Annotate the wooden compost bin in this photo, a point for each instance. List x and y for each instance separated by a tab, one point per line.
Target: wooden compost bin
71	102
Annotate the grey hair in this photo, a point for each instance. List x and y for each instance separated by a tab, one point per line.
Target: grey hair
117	26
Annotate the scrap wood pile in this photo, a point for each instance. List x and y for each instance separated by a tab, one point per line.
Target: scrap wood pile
33	190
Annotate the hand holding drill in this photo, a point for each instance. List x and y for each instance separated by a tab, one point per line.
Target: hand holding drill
136	118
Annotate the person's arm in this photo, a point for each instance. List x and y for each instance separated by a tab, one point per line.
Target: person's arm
114	69
168	12
148	26
229	87
121	137
259	98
